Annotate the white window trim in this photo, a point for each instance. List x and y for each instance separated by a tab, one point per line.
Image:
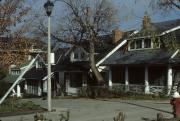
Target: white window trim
142	44
15	72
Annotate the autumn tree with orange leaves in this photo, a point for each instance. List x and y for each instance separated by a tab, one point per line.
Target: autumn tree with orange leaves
14	45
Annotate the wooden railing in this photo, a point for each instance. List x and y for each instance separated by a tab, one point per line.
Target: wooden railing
157	89
140	89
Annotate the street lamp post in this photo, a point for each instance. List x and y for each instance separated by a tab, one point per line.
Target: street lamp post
48	7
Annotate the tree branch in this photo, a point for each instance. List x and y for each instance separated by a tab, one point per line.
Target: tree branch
173	3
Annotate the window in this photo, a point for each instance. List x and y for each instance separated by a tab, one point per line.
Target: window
15	71
147	43
144	43
138	44
82	55
132	45
39	64
75	55
156	43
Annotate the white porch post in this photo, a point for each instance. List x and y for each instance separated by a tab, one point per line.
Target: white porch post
110	78
25	86
39	89
169	79
18	91
146	80
84	78
126	79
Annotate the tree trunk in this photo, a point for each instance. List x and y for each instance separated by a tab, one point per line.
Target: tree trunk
94	69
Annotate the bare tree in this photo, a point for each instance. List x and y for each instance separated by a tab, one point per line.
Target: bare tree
165	4
84	22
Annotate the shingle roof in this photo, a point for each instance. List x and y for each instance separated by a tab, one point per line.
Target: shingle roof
75	66
158	28
156	56
166	25
37	74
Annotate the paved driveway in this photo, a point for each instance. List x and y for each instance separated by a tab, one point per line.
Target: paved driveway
99	110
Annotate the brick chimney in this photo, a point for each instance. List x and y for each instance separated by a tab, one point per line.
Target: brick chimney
116	35
146	21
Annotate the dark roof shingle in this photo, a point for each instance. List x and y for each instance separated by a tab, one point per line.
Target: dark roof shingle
156	56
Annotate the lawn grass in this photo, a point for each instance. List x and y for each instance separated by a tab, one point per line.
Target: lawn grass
14	105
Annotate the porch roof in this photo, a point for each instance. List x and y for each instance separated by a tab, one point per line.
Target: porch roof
73	66
149	56
35	73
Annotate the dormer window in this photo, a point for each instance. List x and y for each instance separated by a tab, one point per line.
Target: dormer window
39	65
138	44
147	43
79	54
132	45
76	55
82	55
15	71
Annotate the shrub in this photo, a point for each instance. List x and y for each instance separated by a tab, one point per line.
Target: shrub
4	87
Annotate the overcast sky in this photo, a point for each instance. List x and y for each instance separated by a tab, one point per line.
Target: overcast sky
130	14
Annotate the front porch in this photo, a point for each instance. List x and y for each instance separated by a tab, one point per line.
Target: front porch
148	79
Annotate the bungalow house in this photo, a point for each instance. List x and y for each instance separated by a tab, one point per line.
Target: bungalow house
149	60
27	79
72	68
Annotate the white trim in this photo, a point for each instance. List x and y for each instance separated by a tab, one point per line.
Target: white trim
169	79
175	54
110	53
45	78
163	33
170	30
126	76
146	80
110	78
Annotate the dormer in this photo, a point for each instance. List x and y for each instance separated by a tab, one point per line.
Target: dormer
146	38
144	43
78	54
13	70
39	65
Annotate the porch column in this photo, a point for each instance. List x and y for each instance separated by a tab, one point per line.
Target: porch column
169	79
39	89
146	80
84	79
110	78
18	91
25	86
126	79
45	86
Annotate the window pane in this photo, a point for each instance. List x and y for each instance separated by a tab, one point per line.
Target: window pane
132	45
75	55
138	44
82	55
147	43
